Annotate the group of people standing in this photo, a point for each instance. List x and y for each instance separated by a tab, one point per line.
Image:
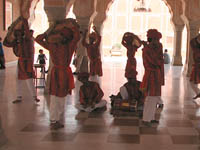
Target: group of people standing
62	80
148	91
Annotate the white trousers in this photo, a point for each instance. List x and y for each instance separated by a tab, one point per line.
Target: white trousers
30	85
101	104
20	85
123	92
57	105
195	88
95	78
79	60
160	101
150	107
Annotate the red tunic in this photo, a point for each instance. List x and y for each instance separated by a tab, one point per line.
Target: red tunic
152	79
26	52
131	61
94	56
91	92
195	74
62	81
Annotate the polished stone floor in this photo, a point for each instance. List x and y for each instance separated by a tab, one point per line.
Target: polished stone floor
27	126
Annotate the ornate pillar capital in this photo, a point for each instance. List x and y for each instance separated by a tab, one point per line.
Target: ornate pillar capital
101	9
55	10
27	9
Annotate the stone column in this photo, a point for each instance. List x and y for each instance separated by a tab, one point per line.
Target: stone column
192	31
176	10
177	58
191	17
27	9
81	51
101	9
83	11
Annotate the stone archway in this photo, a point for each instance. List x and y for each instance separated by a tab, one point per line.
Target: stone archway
182	12
122	18
86	13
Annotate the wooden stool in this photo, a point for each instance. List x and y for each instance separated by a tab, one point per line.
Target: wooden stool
42	75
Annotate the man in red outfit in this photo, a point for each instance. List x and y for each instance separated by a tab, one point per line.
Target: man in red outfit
153	77
130	91
93	52
61	80
23	48
128	41
195	74
90	94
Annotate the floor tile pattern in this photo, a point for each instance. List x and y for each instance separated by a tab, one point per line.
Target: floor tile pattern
26	125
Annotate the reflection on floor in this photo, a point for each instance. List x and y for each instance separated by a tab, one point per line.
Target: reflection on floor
27	126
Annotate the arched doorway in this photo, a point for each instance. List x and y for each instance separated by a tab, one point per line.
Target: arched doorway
122	18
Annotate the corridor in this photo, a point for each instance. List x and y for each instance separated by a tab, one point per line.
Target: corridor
27	126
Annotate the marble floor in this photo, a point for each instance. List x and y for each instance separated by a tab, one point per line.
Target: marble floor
27	126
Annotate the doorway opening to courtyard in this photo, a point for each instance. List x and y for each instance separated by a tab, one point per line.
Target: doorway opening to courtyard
122	18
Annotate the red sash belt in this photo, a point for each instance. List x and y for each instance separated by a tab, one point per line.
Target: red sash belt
153	69
28	65
69	73
22	59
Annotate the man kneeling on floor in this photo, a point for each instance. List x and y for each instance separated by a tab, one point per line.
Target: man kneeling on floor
90	94
129	91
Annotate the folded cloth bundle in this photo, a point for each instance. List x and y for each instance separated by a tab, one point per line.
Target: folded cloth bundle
53	33
136	40
16	25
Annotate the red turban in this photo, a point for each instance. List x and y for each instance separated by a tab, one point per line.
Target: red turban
131	74
92	35
67	32
128	36
153	33
83	75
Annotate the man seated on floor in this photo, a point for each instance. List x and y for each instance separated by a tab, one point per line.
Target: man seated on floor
90	94
130	90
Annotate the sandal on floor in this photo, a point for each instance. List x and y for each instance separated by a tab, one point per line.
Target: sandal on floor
37	100
146	123
17	101
57	125
154	121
